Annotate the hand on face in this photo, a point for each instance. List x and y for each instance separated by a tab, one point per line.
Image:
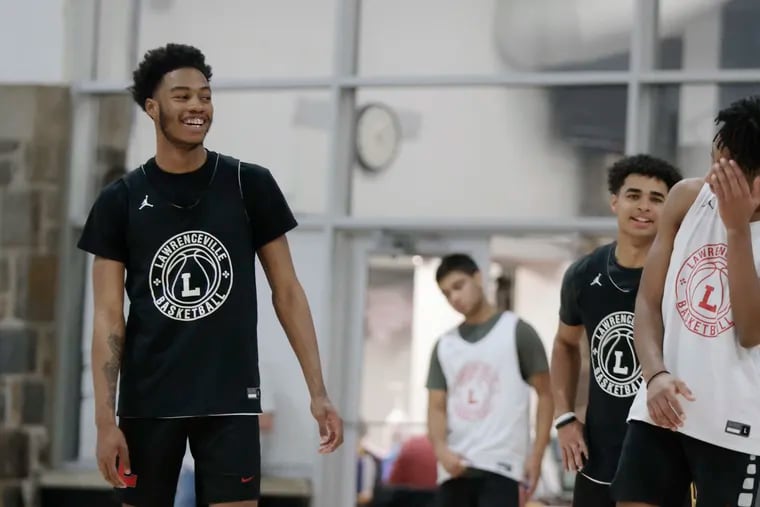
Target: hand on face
737	199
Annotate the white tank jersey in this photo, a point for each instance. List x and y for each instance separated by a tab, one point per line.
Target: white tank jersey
700	345
487	400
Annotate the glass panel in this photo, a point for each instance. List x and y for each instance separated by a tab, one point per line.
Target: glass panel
246	38
405	313
486	36
708	34
492	152
286	132
683	121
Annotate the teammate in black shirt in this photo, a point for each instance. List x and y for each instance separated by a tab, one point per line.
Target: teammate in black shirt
185	228
598	296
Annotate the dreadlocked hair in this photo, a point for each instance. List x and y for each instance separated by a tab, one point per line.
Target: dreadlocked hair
739	133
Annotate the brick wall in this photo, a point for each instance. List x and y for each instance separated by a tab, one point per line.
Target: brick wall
33	158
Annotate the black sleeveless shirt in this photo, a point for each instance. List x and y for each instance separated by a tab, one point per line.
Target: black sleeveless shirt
600	294
191	344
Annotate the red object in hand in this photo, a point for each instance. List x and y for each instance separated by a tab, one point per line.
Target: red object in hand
130	480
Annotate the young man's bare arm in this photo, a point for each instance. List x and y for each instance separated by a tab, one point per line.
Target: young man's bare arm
292	309
436	420
566	367
108	336
542	384
107	346
648	325
437	425
565	370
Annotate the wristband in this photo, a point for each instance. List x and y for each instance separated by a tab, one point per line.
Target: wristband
564	419
658	373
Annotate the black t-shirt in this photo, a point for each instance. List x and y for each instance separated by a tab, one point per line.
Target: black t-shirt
600	294
188	243
104	232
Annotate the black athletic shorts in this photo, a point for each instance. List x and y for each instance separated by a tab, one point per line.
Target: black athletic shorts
658	465
590	493
225	449
478	488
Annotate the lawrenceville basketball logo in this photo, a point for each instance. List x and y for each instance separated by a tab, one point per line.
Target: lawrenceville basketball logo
702	291
614	363
474	387
190	276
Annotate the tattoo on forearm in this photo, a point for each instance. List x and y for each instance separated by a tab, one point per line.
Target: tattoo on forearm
113	365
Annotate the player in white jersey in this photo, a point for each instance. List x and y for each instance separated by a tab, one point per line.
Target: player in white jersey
697	331
479	386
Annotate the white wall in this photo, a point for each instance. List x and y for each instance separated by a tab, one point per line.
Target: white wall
246	38
32	37
491	142
254	39
478	153
273	129
537	288
467	142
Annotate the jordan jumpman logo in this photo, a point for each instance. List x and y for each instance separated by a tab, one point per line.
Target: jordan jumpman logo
145	203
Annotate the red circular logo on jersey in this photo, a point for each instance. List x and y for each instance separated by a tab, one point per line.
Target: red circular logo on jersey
702	297
474	387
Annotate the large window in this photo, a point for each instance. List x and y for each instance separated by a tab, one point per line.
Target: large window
489	152
487	36
510	111
246	39
683	123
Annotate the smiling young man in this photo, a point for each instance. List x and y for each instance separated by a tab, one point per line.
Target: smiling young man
598	296
185	228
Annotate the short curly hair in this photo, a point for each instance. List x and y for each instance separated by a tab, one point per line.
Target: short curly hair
159	62
644	165
739	133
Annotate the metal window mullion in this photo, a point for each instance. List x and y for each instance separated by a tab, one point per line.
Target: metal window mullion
273	84
520	226
66	399
633	105
332	479
643	57
71	279
525	79
521	79
476	226
688	76
634	86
